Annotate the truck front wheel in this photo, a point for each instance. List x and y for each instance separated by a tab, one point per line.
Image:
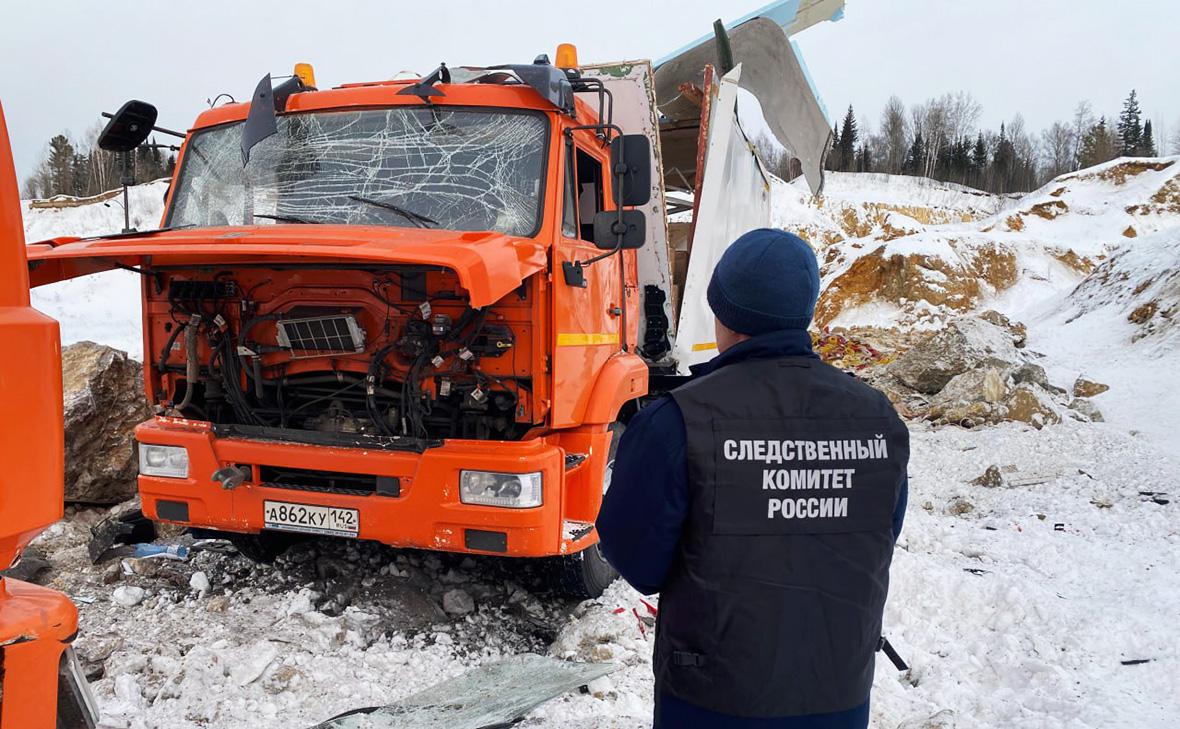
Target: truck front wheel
586	574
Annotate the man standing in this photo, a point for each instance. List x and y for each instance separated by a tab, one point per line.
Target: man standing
762	500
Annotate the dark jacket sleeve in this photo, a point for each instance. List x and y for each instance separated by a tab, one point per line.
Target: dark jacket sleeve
646	505
903	498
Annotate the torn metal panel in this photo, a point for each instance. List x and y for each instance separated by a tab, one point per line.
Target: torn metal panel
493	695
774	74
734	198
633	88
793	16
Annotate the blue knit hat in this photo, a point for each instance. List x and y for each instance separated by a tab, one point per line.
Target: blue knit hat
766	281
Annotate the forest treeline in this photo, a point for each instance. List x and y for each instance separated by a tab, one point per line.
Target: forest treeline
80	168
941	139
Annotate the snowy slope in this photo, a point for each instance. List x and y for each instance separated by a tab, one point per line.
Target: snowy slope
104	307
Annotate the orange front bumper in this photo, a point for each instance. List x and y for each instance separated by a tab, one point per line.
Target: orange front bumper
426	513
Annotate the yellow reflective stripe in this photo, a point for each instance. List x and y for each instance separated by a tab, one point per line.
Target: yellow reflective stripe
704	346
580	339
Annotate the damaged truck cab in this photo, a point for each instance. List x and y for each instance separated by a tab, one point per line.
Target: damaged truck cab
403	311
415	311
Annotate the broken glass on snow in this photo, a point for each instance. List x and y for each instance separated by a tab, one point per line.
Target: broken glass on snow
408	166
493	695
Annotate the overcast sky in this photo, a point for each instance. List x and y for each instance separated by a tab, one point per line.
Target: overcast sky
62	63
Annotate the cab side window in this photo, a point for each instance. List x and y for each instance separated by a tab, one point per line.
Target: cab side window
569	213
583	194
589	193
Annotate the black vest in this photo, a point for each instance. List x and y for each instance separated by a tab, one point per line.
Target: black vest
773	606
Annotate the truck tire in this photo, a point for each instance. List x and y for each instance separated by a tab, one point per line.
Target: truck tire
587	574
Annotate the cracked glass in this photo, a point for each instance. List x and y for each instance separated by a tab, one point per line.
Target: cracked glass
425	167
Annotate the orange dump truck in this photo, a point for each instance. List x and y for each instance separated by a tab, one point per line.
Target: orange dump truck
413	311
41	685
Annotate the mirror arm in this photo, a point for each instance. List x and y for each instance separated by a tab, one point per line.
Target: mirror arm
161	130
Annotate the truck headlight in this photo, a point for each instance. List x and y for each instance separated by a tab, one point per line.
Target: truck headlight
512	490
161	460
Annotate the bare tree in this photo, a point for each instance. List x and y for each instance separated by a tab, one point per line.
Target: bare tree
895	137
1083	119
1058	149
1176	137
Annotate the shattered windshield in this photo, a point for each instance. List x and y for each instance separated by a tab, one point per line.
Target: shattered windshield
410	166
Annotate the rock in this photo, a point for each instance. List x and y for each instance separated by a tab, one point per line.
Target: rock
457	602
1034	374
970	399
1018	331
964	344
1087	408
112	574
1088	388
992	478
1029	404
128	595
199	582
104	401
959	506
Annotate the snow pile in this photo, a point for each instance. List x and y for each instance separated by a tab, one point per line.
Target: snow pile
856	205
105	307
907	272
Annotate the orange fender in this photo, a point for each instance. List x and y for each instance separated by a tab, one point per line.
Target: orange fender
624	377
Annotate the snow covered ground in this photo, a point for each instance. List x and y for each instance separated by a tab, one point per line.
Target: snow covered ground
1052	601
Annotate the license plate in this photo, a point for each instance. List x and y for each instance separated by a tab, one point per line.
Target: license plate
310	519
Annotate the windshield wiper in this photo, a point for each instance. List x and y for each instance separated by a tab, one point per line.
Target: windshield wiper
417	219
288	219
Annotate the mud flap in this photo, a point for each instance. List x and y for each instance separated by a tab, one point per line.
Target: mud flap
494	695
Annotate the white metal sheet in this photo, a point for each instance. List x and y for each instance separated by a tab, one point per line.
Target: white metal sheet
735	198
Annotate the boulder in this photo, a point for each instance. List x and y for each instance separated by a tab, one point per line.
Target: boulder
1088	388
972	398
962	345
1030	404
1087	408
104	401
1018	331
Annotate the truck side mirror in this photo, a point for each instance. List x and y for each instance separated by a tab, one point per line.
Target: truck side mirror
630	159
607	227
129	127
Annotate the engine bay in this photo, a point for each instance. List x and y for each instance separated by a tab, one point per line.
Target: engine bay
391	352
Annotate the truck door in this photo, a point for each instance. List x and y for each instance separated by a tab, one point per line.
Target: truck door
587	319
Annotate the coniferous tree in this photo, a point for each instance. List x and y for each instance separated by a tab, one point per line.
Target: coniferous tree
978	161
1129	128
1100	144
832	163
1003	162
60	166
848	138
1147	142
916	158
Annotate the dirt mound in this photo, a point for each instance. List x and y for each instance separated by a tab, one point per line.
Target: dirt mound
954	282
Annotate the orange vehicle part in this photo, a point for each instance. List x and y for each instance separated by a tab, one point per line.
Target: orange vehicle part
576	347
36	624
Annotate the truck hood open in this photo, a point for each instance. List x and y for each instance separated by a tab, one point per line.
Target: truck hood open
489	265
